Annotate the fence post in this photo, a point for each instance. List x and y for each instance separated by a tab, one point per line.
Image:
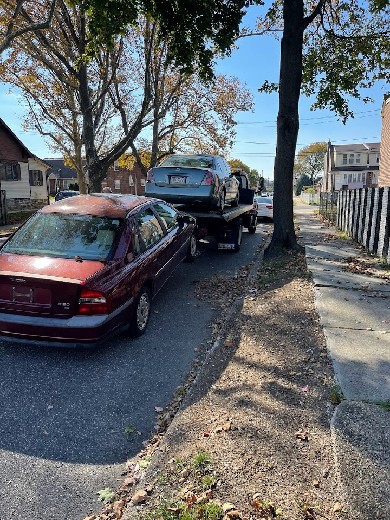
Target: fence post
383	234
3	208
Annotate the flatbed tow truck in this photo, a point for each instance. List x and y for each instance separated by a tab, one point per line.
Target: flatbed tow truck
225	226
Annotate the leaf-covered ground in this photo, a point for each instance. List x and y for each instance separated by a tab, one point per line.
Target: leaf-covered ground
258	413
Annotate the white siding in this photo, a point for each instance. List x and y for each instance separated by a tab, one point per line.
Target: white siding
18	189
39	192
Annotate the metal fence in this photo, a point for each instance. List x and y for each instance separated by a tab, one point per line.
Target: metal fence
328	206
364	215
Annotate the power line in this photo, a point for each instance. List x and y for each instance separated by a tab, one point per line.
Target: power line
329	117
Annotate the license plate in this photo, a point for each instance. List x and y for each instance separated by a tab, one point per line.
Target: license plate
175	179
222	245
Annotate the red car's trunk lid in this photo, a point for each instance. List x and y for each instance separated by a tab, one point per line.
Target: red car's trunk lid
42	286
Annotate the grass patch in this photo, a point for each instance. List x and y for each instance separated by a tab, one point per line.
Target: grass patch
336	395
193	500
384	404
343	235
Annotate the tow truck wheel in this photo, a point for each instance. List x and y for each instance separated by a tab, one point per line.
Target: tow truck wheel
237	236
252	229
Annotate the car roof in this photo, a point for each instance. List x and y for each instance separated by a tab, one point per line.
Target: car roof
98	204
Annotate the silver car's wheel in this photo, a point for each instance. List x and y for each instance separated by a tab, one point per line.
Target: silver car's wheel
236	201
221	202
142	312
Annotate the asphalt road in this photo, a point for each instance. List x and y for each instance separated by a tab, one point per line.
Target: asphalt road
63	413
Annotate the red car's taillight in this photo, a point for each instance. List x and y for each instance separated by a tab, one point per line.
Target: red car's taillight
208	179
149	176
269	207
92	302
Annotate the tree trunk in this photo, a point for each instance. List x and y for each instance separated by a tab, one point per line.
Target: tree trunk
290	81
94	171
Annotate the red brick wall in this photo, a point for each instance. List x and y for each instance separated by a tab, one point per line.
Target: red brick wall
10	150
122	175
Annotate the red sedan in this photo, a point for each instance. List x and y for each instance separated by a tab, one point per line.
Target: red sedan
86	267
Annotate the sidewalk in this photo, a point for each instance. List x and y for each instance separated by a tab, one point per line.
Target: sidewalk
355	314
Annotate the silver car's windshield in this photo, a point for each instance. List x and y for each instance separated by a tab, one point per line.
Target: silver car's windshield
188	161
58	235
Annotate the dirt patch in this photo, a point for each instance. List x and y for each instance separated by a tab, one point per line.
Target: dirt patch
257	414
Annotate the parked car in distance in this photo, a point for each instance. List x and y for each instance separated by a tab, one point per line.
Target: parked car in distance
265	207
64	194
193	179
85	268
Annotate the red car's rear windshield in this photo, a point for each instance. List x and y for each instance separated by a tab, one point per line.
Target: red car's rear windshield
58	235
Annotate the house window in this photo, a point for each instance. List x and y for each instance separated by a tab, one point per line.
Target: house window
10	171
351	159
143	182
345	178
116	166
357	159
65	184
345	158
349	178
117	184
36	178
354	177
131	180
364	177
359	177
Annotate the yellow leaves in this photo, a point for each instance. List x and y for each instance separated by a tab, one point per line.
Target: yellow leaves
128	161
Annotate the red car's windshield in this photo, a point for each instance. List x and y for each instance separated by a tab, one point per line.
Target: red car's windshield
58	235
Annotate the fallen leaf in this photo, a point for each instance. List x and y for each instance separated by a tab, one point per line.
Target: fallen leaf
232	515
227	506
139	497
118	508
302	435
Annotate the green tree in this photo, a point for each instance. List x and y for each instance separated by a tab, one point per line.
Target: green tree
330	50
195	31
303	180
310	161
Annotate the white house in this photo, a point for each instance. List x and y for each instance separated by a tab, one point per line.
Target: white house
22	174
351	166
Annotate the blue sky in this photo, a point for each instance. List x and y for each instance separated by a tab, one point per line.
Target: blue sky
255	60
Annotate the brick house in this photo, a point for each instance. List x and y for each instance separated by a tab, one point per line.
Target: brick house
351	166
384	167
22	174
123	180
